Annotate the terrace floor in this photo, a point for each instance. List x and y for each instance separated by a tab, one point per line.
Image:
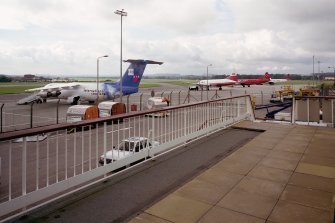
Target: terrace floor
285	174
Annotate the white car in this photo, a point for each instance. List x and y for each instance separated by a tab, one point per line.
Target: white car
126	148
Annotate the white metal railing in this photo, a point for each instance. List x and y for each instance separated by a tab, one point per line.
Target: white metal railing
66	156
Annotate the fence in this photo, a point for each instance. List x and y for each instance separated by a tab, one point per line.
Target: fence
17	117
43	162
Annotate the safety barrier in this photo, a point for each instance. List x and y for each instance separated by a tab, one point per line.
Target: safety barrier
314	110
45	163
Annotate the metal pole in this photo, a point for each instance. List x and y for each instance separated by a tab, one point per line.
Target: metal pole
98	76
313	69
1	116
31	114
121	93
141	102
98	80
121	13
207	84
57	114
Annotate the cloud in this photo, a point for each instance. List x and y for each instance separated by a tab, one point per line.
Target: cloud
66	37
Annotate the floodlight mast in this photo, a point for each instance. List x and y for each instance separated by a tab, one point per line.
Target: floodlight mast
121	13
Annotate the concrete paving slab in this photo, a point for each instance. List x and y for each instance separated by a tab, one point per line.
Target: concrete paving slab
287	212
261	187
318	160
318	170
279	163
236	166
248	203
301	138
269	173
318	150
253	150
285	155
147	218
221	178
291	146
308	197
262	144
219	215
203	191
179	209
313	182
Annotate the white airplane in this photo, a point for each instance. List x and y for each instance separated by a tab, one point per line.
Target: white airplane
273	81
74	92
231	80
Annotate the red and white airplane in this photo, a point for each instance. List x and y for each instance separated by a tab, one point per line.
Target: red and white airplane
231	80
258	81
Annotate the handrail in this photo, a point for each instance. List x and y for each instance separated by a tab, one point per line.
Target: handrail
44	129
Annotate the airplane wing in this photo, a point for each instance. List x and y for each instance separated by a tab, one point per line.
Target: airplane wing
54	87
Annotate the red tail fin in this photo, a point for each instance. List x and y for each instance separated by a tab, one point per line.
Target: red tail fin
232	77
267	75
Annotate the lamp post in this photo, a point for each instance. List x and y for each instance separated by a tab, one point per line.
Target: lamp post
207	80
98	76
121	13
333	75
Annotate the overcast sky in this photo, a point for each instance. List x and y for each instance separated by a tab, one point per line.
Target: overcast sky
65	37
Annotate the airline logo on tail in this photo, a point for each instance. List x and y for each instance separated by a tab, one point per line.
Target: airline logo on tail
267	76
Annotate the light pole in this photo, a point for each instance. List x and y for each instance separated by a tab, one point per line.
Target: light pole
121	13
207	80
98	76
334	74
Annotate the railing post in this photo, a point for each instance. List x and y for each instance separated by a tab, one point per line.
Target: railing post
24	166
170	103
262	97
162	94
1	116
201	94
188	96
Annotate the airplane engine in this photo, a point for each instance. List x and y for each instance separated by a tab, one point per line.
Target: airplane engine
55	93
44	94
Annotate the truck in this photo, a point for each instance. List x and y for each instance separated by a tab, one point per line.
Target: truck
126	148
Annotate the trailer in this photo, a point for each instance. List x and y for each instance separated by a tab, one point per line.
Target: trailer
109	108
158	102
78	113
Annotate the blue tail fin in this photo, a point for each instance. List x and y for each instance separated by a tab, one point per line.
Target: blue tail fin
133	75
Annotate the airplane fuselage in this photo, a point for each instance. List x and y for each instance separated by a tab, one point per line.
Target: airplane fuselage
87	92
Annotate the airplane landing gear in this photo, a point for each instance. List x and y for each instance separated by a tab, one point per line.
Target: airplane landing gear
75	100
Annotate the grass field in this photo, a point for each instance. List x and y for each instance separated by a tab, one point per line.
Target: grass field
16	89
148	85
